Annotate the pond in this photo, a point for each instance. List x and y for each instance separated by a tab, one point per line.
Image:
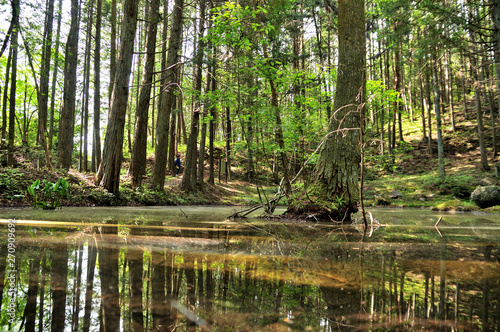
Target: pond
192	269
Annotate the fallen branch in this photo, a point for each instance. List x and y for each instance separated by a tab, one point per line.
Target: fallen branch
436	225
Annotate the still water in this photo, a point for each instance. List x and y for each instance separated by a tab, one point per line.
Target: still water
192	269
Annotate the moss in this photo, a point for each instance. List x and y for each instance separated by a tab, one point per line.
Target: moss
454	205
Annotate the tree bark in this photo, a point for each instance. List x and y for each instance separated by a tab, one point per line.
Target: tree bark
43	93
13	81
67	121
338	166
108	175
437	110
170	85
96	137
83	165
54	77
5	99
139	150
189	179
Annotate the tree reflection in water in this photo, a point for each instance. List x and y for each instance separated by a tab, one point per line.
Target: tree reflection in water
242	277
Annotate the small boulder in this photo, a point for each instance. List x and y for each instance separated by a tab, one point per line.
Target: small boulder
486	196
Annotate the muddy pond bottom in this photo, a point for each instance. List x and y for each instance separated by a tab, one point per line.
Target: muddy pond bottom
192	269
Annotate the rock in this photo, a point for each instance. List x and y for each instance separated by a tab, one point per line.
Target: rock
486	196
396	194
488	182
380	200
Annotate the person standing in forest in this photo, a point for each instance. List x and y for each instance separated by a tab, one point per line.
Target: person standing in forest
177	165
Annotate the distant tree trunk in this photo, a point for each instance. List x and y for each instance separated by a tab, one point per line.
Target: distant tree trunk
168	84
13	81
477	97
428	98
108	175
213	117
198	104
67	121
139	150
5	99
228	143
437	110
496	42
398	86
54	77
83	165
338	167
96	137
449	80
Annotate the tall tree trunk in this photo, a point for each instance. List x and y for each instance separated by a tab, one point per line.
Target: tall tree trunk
43	93
169	84
437	110
477	76
338	165
139	150
398	78
96	137
213	117
189	179
5	99
228	143
67	121
112	50
13	81
428	99
108	175
54	77
83	166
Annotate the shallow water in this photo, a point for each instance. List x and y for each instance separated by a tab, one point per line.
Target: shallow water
190	268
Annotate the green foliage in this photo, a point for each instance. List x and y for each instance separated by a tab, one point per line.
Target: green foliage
47	195
455	205
459	185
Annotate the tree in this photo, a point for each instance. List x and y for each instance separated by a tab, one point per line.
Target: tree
169	84
189	180
67	125
139	150
96	139
108	175
14	47
338	167
43	93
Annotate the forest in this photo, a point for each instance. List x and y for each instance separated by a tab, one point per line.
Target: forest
314	98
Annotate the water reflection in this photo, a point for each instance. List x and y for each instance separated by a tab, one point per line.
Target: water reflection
249	276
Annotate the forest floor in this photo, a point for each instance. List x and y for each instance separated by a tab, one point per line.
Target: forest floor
412	176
